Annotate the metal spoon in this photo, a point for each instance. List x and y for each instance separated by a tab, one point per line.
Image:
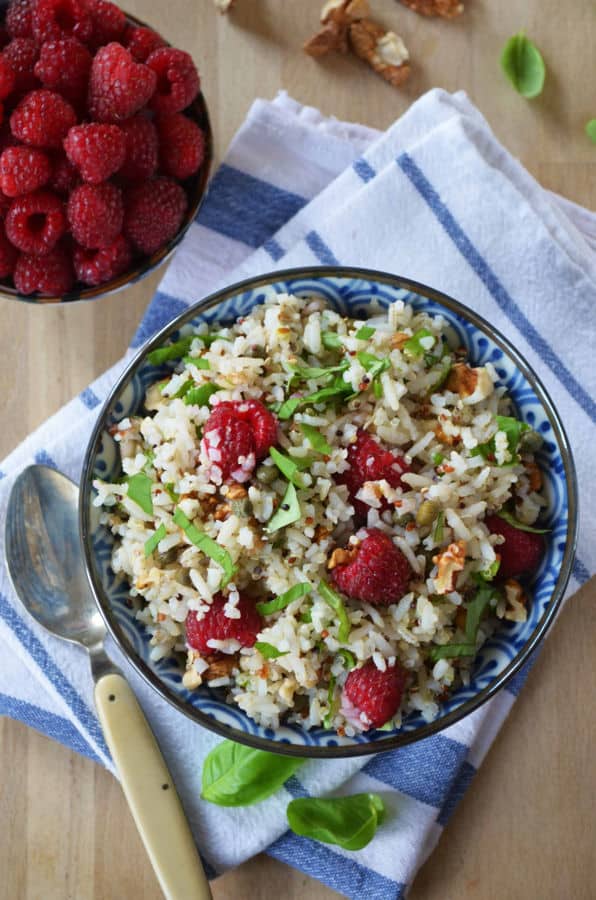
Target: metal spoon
45	565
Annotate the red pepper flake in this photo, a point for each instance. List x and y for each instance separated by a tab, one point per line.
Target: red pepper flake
324	633
309	520
398	503
447	468
410	526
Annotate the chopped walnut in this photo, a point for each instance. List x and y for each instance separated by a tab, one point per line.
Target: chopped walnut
321	532
341	557
516	601
534	476
222	512
224	6
450	563
444	438
446	9
332	36
236	492
383	50
398	339
220	667
191	679
472	385
344	11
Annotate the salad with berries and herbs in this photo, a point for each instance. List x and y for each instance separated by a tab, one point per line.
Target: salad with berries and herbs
325	517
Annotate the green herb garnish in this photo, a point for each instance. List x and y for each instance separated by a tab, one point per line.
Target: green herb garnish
288	408
206	545
315	439
139	491
331	703
318	372
451	651
331	340
365	333
439	527
154	540
349	660
508	517
290	466
279	603
377	389
287	513
489	573
591	130
306	617
438	459
169	489
268	651
523	65
373	365
209	339
514	429
197	361
349	822
335	601
475	610
414	347
171	351
199	396
235	775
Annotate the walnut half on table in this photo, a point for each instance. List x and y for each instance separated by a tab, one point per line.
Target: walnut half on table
383	50
446	9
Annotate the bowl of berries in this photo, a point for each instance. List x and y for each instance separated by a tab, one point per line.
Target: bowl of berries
105	149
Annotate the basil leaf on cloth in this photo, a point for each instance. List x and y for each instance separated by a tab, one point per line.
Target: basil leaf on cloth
235	775
349	822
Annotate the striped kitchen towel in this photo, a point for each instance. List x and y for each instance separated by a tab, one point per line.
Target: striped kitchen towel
437	199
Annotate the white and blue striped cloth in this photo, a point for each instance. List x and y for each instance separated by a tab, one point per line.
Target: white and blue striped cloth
436	199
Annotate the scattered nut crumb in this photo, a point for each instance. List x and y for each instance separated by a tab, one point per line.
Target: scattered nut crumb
336	17
341	557
472	385
450	562
398	340
236	492
446	9
220	667
449	439
222	512
516	601
534	476
383	50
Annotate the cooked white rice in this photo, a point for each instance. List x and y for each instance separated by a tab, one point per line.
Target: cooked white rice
408	408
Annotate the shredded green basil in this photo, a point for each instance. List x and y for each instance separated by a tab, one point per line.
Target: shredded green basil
475	610
206	545
315	439
365	333
335	601
331	340
414	348
139	491
287	513
197	361
169	489
490	572
288	408
209	339
373	365
452	651
289	466
171	351
438	530
154	540
279	603
438	459
308	372
235	775
328	718
349	822
508	517
349	660
268	651
523	65
199	396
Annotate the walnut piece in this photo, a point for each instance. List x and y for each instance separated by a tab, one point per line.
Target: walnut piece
534	476
236	492
220	667
449	563
398	339
224	5
472	385
336	17
341	557
384	51
446	9
344	11
516	601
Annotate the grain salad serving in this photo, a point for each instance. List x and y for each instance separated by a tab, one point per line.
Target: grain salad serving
326	516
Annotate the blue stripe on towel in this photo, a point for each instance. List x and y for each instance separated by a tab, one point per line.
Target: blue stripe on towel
245	208
320	249
495	288
294	788
423	770
339	872
2	475
519	679
275	250
47	723
581	572
47	665
458	789
162	309
89	398
364	170
43	458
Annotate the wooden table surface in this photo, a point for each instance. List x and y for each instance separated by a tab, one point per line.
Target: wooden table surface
526	828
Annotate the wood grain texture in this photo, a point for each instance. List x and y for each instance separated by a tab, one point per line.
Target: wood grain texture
525	829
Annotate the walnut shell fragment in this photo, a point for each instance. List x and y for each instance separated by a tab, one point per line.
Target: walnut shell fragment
446	9
383	50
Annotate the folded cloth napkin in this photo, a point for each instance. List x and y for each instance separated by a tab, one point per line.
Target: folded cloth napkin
437	199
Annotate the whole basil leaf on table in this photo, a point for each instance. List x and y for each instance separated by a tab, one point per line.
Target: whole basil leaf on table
523	65
235	775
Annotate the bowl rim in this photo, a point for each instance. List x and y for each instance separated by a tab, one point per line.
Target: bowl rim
430	728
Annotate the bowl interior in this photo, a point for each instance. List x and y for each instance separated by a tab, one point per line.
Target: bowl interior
500	656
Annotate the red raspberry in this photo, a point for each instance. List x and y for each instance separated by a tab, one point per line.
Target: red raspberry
98	150
55	19
373	697
7	78
109	23
215	625
181	145
94	267
64	175
237	435
154	213
370	461
178	81
42	119
51	275
379	573
23	169
5	204
141	148
18	19
64	66
21	55
8	255
142	42
118	86
522	551
36	222
4	37
95	213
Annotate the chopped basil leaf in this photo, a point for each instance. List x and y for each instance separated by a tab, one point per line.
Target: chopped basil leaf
513	429
268	651
182	390
414	347
348	658
279	603
438	459
317	372
373	365
452	651
328	719
306	617
523	65
208	339
331	340
206	545
442	377
199	396
235	775
154	540
287	466
150	457
439	527
489	573
475	610
197	361
365	333
349	822
171	351
315	439
338	386
139	491
508	517
287	409
169	488
335	601
287	513
377	389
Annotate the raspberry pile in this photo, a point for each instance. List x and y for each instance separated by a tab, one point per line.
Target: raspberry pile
95	144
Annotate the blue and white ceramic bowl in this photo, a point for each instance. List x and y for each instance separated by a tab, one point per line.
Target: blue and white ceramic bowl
354	292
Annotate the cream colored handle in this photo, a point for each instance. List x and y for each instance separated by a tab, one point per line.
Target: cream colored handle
150	792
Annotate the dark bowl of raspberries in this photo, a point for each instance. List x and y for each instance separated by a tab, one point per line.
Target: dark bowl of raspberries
105	149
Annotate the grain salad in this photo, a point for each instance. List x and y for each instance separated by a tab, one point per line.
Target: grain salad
325	517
